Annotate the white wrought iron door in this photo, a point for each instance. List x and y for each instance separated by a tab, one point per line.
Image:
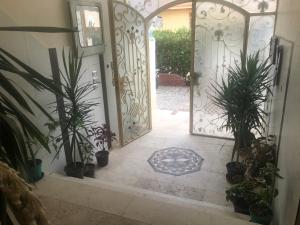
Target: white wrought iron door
219	36
131	71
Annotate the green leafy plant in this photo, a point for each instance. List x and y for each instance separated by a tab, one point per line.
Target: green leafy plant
244	190
17	126
241	97
102	136
78	108
173	51
16	115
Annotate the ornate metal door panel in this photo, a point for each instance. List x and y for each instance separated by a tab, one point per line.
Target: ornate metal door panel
131	71
148	8
218	39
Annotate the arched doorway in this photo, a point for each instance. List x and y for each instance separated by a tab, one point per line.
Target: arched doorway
221	29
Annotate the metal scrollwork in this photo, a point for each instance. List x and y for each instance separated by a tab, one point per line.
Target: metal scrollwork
146	7
131	52
219	37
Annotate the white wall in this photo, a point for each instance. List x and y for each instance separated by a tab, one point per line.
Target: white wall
32	48
289	156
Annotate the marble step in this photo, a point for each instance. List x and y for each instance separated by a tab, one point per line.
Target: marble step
137	204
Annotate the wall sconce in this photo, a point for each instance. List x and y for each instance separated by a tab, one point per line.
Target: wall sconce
95	79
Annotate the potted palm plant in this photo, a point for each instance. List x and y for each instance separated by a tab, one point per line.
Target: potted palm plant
78	110
102	136
17	115
17	127
241	97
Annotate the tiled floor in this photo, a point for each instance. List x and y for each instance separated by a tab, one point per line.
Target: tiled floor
129	166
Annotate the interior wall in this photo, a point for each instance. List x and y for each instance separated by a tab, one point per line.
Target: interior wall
32	48
286	203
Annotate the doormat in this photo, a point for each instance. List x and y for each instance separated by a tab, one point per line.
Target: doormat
175	161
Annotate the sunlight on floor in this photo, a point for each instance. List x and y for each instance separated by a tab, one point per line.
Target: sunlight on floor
129	165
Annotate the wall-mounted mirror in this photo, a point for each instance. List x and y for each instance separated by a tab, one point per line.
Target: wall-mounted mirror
86	16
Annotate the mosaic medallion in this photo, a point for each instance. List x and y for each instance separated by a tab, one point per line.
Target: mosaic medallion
175	161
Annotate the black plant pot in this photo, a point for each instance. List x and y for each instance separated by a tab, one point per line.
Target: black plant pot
89	170
235	172
102	158
75	170
241	206
35	170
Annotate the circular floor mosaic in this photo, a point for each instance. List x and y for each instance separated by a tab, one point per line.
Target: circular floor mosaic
175	161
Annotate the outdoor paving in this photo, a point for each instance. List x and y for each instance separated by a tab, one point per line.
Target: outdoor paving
173	98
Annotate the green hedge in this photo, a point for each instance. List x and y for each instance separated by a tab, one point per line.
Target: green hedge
173	51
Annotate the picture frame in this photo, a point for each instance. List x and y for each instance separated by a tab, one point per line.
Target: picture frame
86	16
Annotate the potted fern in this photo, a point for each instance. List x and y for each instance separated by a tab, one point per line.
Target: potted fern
241	97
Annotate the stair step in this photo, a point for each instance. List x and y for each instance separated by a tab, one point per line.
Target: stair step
138	204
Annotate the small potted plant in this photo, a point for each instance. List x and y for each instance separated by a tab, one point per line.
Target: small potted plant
34	164
102	136
89	167
242	195
261	213
235	172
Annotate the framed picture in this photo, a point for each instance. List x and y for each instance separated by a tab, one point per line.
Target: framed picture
87	18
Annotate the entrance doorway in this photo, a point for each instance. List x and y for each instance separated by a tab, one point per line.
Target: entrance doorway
171	161
170	48
220	30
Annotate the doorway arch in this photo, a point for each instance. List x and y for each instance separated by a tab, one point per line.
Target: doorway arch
136	114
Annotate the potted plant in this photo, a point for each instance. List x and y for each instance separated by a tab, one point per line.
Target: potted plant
262	154
235	172
78	110
17	117
261	213
240	97
34	164
242	195
89	167
17	123
102	136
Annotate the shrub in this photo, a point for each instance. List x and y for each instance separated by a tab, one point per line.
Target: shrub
173	51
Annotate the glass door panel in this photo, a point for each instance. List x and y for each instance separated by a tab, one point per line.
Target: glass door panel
219	38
